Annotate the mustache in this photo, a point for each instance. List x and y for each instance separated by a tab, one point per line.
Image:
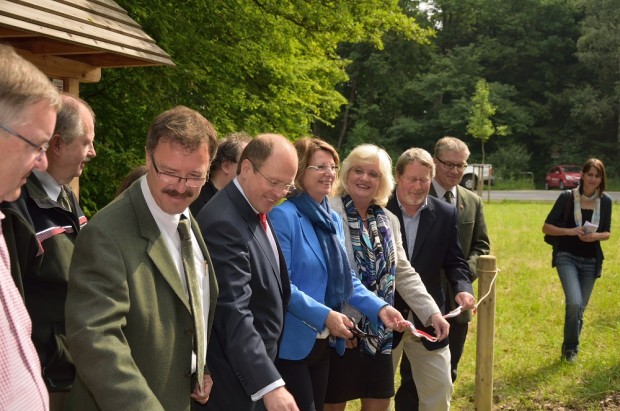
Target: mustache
174	193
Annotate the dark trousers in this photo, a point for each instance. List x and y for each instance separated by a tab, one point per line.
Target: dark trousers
306	379
406	398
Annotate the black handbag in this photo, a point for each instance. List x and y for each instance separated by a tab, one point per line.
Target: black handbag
553	240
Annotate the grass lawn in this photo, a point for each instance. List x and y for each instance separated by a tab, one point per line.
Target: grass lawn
528	374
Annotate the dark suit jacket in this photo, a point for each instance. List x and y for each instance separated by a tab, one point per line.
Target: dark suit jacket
128	319
436	248
206	193
474	238
254	295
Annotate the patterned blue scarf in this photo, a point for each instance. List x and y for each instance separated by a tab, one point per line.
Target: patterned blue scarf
376	263
339	281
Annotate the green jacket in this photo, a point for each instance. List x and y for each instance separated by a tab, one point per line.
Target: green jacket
129	322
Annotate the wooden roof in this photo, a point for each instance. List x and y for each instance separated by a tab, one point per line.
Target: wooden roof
80	33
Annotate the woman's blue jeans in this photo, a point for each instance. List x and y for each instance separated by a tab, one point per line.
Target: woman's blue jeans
577	275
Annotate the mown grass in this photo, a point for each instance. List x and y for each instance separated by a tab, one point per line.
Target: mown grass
528	373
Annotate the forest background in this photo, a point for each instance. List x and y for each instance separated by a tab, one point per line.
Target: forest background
394	73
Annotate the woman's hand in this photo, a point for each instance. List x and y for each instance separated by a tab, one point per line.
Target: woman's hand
392	318
338	325
590	238
578	231
440	325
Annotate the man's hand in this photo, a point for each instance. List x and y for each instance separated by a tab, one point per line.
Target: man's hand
392	318
279	400
338	325
465	300
441	326
202	396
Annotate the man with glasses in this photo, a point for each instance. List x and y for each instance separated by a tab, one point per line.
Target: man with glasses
254	284
223	168
28	107
431	238
47	213
142	289
451	155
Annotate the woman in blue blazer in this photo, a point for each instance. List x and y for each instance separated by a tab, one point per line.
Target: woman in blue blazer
312	240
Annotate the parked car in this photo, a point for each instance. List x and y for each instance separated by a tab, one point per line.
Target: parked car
563	176
473	172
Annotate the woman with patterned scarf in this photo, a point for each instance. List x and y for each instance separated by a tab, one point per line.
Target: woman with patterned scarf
311	237
374	249
581	218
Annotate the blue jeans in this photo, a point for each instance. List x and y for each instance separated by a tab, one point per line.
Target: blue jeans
577	275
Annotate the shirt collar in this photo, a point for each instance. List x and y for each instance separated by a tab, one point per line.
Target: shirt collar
243	194
168	222
442	191
51	187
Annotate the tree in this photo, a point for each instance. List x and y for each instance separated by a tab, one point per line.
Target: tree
252	65
480	125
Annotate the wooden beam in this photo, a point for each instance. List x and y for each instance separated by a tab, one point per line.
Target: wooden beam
62	67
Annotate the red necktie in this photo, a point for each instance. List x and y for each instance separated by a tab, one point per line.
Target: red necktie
262	217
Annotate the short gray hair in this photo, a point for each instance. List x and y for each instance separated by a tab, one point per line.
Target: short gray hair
450	144
22	84
69	121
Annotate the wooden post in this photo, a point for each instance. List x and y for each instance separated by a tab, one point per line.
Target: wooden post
483	397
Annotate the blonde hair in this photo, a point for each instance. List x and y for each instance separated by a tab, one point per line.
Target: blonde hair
450	144
368	154
22	84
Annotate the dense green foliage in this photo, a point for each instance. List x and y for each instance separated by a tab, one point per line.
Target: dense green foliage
387	72
552	68
252	65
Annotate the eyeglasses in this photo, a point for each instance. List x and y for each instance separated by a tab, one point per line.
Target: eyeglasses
413	180
40	148
287	188
449	165
168	178
324	168
358	171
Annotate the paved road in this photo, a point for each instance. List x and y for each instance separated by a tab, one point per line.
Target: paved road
534	195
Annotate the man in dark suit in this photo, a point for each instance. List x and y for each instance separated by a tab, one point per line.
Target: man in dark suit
40	216
450	159
223	168
254	283
136	297
431	238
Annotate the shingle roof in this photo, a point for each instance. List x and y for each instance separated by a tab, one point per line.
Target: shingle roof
93	33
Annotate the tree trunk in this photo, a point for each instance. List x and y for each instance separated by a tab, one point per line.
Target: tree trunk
345	116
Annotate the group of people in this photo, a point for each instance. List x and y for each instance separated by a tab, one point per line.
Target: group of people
238	273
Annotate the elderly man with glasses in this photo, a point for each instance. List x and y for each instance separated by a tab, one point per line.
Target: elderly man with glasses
47	213
28	107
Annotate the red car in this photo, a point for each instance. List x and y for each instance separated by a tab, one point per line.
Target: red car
563	176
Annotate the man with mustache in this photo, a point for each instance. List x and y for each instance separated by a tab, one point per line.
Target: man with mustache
48	214
430	233
142	290
28	107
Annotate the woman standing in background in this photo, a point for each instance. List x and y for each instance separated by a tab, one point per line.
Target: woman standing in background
581	219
